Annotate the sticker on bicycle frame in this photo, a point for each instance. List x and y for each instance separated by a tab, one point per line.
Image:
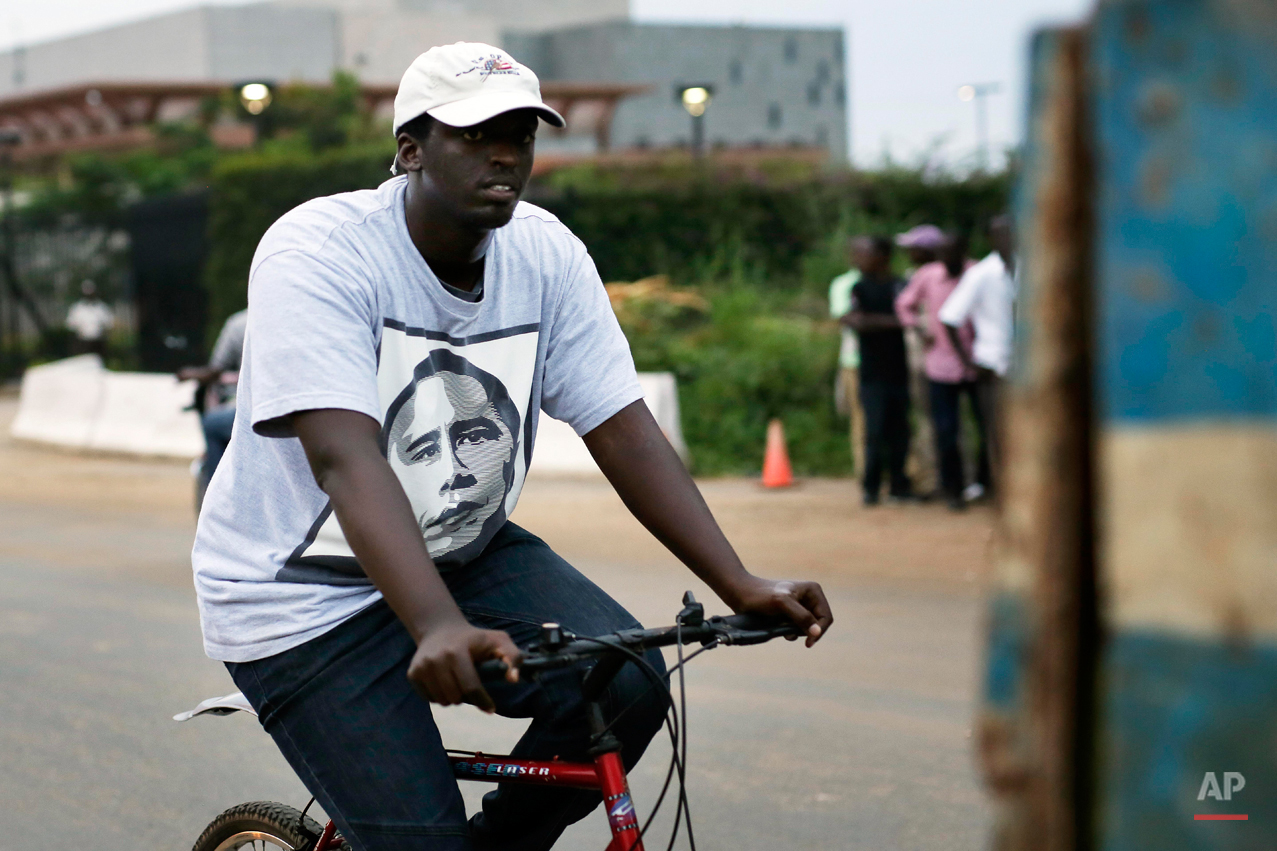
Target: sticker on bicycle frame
498	769
620	814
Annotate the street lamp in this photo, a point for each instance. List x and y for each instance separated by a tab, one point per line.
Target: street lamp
978	92
255	97
695	100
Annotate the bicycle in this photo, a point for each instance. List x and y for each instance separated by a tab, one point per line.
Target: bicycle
285	828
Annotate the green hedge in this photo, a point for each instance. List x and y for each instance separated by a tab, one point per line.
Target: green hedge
710	225
748	363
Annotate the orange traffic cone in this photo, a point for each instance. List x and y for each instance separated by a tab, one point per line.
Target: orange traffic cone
776	470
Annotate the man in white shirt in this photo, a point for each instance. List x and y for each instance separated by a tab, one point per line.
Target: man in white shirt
90	319
986	297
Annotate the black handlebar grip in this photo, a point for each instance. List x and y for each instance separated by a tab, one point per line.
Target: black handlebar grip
760	623
491	670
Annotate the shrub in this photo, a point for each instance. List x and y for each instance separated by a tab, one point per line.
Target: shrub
746	364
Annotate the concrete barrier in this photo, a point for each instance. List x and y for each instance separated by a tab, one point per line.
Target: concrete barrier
142	414
559	450
60	402
75	403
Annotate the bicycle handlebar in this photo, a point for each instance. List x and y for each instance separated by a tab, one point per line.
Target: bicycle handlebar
732	629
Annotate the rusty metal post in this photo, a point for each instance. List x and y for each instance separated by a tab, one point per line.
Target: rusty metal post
1035	736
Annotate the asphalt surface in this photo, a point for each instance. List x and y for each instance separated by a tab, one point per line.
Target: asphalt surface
861	743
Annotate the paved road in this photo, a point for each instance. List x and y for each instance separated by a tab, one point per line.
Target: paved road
862	743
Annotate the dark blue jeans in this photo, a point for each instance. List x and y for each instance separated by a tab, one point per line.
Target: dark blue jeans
946	417
343	713
217	436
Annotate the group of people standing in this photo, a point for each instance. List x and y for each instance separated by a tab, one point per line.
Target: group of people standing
924	342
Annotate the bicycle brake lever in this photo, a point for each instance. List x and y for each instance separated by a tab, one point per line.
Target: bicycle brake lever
693	613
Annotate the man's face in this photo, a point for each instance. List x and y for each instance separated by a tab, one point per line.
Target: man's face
867	258
919	256
1002	237
450	457
477	173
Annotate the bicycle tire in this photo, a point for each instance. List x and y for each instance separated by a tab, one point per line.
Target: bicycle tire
244	825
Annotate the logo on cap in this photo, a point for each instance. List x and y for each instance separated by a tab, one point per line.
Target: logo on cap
489	65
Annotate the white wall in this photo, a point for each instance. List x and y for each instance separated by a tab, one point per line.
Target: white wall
380	47
169	47
542	14
269	42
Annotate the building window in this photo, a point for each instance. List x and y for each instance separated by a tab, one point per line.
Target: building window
774	116
813	94
791	50
736	72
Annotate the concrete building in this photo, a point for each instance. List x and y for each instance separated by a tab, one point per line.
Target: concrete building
771	87
286	40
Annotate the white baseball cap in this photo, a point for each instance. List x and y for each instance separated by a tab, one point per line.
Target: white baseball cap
467	83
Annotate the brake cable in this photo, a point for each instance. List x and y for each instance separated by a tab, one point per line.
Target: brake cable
676	669
684	805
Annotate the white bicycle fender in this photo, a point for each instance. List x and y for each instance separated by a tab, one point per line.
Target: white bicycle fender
218	706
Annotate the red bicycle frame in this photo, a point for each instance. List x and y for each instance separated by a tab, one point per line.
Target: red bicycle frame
606	773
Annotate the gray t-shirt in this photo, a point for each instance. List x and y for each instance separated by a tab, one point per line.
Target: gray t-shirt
228	351
343	312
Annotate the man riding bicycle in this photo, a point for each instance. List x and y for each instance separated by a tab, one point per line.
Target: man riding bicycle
354	560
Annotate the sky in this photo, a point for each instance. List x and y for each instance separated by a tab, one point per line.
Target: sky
908	58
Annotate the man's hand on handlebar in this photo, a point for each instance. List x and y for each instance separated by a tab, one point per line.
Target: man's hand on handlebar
202	374
803	603
443	668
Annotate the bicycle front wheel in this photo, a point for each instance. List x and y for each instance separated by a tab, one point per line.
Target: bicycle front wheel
258	826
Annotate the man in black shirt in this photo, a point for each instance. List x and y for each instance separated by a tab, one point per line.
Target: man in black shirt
884	369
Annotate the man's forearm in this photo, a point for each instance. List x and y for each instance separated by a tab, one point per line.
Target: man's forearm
202	374
655	486
870	322
375	516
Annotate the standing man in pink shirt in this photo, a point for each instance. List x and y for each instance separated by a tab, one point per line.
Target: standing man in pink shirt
923	245
948	374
